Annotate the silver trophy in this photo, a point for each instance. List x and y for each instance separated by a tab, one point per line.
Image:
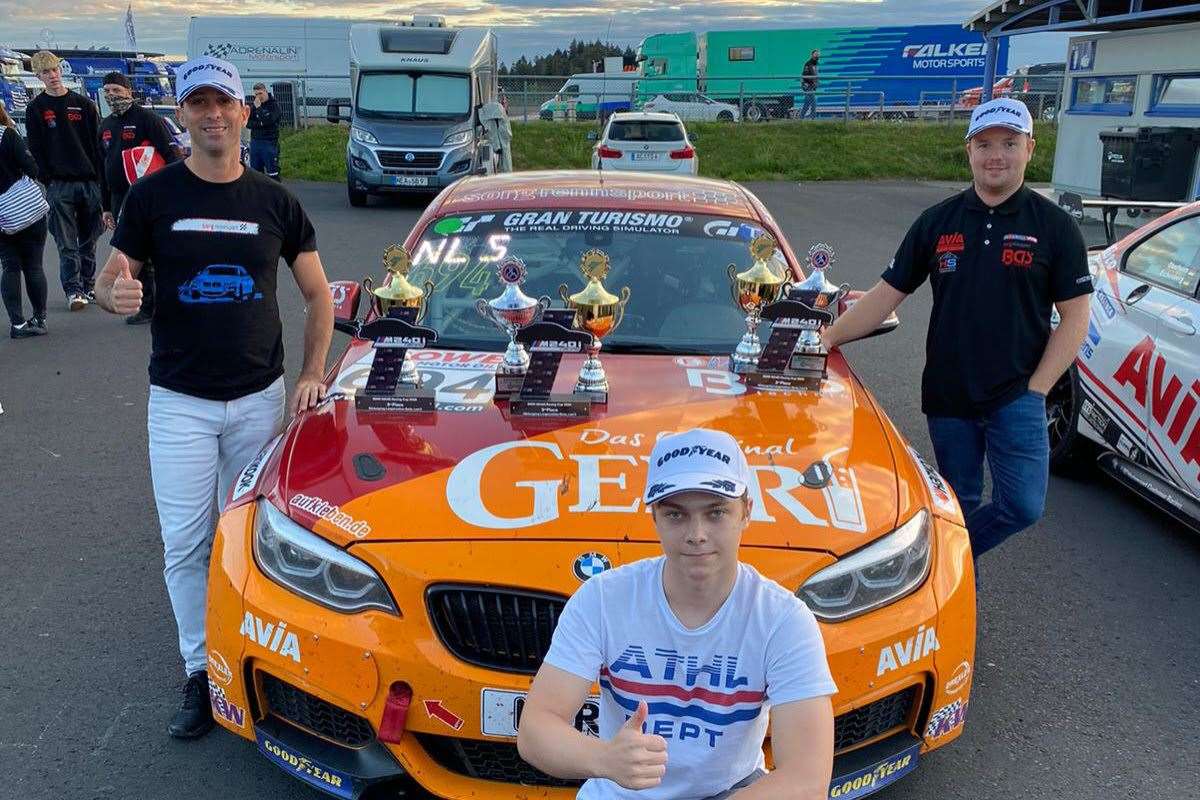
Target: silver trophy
510	312
818	292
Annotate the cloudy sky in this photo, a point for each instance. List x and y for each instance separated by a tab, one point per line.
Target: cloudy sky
525	27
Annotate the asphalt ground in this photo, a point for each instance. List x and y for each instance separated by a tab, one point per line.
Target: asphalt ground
1085	680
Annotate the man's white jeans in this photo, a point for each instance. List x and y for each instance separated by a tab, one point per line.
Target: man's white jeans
197	449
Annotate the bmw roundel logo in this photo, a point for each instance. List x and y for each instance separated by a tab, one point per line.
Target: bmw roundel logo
589	565
409	157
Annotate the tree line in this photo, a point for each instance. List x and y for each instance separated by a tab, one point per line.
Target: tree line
578	57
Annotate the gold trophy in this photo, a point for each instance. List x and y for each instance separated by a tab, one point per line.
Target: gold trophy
398	293
753	289
599	312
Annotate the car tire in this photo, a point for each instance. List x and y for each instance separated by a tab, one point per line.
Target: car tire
1069	450
754	112
357	197
725	116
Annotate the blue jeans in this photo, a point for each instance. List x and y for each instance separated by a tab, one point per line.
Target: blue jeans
810	105
264	157
1015	441
74	222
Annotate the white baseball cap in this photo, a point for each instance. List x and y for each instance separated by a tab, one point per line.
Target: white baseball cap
1004	112
208	71
697	460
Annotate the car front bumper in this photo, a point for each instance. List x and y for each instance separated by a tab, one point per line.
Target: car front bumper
344	664
365	171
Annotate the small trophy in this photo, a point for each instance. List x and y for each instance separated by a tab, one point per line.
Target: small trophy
819	294
752	290
398	293
510	312
598	312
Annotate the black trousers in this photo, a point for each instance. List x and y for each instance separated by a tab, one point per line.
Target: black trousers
21	255
146	276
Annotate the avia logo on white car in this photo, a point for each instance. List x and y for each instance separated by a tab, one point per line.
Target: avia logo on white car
909	651
273	636
940	50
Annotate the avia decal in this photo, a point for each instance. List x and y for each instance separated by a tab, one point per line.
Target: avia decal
1156	390
909	651
272	636
224	708
467	491
946	719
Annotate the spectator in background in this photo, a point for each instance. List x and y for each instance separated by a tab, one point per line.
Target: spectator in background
64	138
264	132
21	250
809	84
134	142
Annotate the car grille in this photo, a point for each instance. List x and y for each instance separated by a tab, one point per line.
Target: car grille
314	714
489	761
861	724
502	629
395	159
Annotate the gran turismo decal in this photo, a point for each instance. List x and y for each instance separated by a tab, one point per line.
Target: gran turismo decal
332	514
908	651
946	719
467	492
225	708
273	636
869	780
606	220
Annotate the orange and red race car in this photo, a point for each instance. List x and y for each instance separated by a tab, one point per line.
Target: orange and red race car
384	585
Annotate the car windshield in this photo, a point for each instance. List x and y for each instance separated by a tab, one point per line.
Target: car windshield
403	95
645	131
674	264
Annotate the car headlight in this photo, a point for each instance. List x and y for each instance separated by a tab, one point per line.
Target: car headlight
363	137
879	574
303	562
454	139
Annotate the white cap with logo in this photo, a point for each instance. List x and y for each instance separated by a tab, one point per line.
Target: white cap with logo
208	71
699	460
1004	112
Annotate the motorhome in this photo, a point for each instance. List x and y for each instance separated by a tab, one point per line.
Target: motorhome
416	89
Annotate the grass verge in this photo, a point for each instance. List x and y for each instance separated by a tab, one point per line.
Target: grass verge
810	151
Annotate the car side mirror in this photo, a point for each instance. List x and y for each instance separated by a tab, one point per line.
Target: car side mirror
592	136
334	115
345	296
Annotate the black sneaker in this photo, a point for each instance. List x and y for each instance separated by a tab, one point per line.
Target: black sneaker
39	321
25	330
140	318
90	295
194	717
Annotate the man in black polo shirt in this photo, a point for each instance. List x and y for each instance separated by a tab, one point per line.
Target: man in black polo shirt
998	256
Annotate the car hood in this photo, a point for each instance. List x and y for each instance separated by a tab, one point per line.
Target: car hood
484	474
394	133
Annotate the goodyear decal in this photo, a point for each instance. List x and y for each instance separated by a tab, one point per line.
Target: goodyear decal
307	770
873	778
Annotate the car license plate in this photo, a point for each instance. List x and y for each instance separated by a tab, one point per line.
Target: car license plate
410	180
500	713
307	770
644	156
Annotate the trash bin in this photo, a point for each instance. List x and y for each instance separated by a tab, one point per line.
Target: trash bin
1148	163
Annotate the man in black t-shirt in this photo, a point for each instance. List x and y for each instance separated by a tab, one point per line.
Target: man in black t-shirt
63	130
134	142
215	232
997	256
809	84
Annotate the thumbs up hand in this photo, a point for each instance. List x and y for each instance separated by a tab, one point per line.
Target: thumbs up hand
126	290
633	759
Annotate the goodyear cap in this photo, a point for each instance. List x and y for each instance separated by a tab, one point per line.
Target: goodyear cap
697	460
1004	112
208	71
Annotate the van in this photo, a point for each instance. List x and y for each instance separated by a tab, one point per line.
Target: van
593	93
416	89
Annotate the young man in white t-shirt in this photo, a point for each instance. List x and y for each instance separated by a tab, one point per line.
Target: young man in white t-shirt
692	650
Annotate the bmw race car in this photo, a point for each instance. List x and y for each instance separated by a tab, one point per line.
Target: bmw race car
220	283
1134	390
384	585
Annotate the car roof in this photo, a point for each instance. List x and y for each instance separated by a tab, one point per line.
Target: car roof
596	189
639	116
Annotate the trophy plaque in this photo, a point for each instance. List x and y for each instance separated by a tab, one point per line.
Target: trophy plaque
387	389
548	339
820	295
510	312
598	312
777	368
753	289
